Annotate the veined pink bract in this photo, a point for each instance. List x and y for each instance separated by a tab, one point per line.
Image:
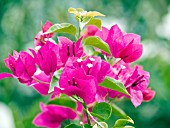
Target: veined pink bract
52	115
22	66
41	38
76	82
122	45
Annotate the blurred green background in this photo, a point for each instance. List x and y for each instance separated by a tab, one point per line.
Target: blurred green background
20	21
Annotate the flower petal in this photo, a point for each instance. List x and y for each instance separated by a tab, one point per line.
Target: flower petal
21	71
148	95
89	89
65	48
131	53
5	75
28	62
46	26
52	115
136	97
105	68
102	34
41	88
79	48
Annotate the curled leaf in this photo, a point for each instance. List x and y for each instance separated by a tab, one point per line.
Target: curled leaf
114	85
82	15
122	122
94	13
72	126
95	22
54	80
102	125
63	101
102	110
62	28
98	43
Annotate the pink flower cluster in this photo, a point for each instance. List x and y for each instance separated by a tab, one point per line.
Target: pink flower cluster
81	73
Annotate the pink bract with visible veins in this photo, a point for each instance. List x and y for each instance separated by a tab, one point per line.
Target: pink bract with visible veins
136	81
67	48
76	82
90	31
48	58
41	38
122	45
22	66
96	67
148	94
41	82
52	115
93	66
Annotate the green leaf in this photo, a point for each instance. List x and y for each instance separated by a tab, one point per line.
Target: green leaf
72	126
103	124
111	121
102	110
68	122
96	22
63	101
77	11
125	127
114	85
80	12
117	111
65	123
97	116
87	126
54	80
83	16
62	28
122	122
98	43
83	21
93	14
128	127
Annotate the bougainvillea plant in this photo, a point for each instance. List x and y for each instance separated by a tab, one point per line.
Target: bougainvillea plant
84	74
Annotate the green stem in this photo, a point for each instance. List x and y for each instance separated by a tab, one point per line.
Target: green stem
87	114
85	108
79	31
94	119
111	101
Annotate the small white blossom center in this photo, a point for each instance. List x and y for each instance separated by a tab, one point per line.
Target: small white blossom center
122	67
92	59
79	60
89	65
